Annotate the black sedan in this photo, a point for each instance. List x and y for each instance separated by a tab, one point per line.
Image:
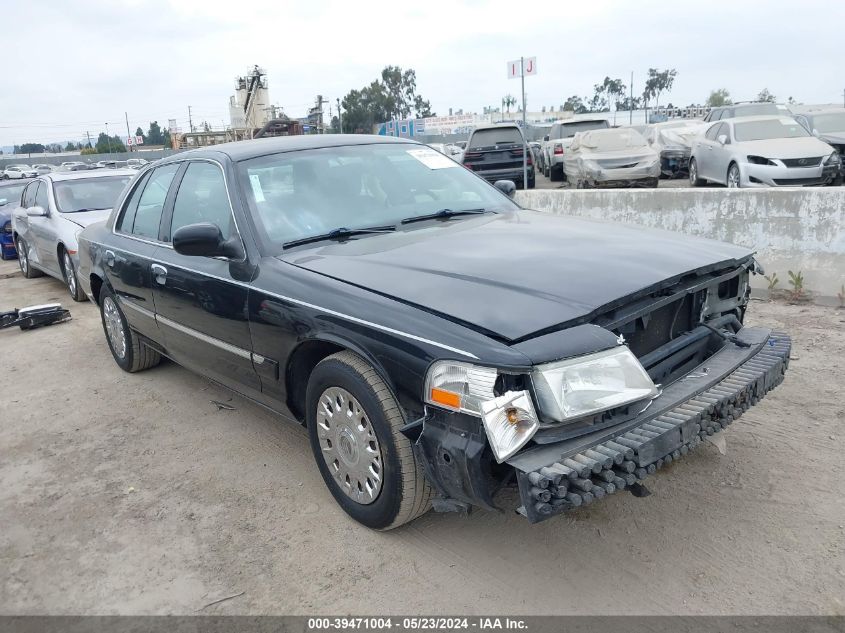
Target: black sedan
439	342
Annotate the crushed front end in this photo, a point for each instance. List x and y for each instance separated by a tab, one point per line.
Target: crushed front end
604	403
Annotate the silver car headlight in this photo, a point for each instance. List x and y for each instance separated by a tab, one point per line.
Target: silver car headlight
833	159
583	386
509	420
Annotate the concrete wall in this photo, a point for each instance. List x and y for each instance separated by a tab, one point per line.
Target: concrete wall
790	229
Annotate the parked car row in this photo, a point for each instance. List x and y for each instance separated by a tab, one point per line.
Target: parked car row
20	170
351	284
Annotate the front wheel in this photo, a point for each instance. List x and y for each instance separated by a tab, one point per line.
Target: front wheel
130	354
71	280
366	462
733	179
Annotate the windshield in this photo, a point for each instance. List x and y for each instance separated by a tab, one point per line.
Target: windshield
12	193
88	193
295	195
611	140
768	129
568	130
495	136
826	123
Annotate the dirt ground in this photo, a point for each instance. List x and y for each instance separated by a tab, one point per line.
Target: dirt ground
133	494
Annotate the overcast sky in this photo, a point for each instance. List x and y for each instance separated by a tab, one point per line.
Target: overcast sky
72	66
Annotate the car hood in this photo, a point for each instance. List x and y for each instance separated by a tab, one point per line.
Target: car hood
511	275
803	147
87	218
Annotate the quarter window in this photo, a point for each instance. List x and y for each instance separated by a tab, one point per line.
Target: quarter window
202	197
128	218
29	195
151	202
711	131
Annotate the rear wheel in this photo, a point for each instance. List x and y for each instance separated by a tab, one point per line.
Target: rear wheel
555	173
366	462
126	347
23	259
694	180
71	280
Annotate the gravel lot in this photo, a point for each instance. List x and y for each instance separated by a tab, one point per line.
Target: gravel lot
134	494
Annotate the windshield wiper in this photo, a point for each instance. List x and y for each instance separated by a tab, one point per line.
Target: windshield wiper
342	233
443	214
88	209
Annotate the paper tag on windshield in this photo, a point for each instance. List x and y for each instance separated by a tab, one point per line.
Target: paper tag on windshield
257	191
432	158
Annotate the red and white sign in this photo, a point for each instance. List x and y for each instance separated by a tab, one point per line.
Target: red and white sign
527	64
139	140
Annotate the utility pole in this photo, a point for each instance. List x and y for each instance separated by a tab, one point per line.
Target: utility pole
128	134
190	120
88	134
339	115
631	102
524	128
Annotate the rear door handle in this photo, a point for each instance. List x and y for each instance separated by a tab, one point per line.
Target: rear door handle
160	273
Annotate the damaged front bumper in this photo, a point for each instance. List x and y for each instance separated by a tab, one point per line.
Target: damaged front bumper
674	163
556	477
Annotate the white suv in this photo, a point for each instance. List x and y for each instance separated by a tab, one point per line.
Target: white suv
559	138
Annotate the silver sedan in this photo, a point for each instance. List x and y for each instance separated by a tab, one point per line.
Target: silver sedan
761	151
53	210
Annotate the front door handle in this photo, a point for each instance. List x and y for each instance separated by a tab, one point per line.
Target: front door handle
110	259
160	273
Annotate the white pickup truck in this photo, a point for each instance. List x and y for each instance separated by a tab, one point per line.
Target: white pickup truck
559	138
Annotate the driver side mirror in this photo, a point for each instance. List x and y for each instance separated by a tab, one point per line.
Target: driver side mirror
722	138
815	132
36	212
205	240
3	202
507	187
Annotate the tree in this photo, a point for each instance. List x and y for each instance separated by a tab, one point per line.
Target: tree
608	92
574	104
54	148
166	140
154	136
629	103
765	95
30	148
657	83
107	145
508	101
70	147
719	97
394	96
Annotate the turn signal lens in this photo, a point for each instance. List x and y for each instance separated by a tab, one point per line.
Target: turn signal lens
446	398
459	386
509	421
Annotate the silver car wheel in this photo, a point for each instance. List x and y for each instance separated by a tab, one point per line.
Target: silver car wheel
693	172
70	276
114	327
733	177
349	445
23	257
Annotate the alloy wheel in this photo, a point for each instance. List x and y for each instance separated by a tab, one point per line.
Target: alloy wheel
349	445
114	327
733	177
693	173
70	275
23	257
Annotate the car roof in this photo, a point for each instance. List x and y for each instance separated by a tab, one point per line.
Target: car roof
813	113
18	181
242	150
81	175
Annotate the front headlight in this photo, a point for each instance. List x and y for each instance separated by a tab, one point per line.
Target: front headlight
583	386
833	159
759	160
509	420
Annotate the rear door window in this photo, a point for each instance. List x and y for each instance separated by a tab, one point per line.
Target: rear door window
41	199
151	202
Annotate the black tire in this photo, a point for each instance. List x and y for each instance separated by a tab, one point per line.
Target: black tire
71	280
136	355
694	180
733	167
532	182
404	494
23	260
546	171
555	174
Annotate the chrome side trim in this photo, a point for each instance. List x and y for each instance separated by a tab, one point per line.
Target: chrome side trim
134	306
232	349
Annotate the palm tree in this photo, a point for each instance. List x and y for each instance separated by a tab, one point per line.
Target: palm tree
508	101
